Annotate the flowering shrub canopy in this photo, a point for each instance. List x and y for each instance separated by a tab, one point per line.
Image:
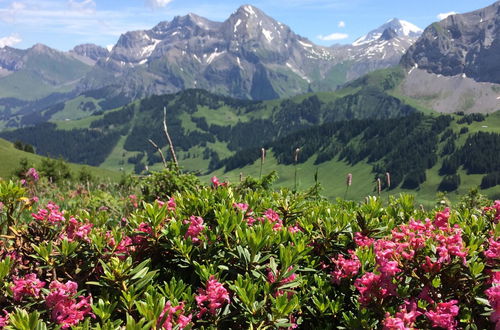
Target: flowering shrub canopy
230	256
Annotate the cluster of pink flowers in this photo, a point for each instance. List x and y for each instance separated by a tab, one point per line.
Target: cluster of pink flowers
4	320
216	183
196	226
362	240
32	175
404	319
171	317
66	309
373	287
392	253
493	295
51	214
242	207
444	314
30	285
345	267
171	205
123	248
247	212
493	252
76	230
496	209
212	298
273	218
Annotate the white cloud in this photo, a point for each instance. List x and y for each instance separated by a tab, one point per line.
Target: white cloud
341	24
157	3
444	15
11	40
83	5
333	37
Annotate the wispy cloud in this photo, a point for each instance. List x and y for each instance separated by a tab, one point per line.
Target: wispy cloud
77	17
157	3
11	40
333	37
444	15
341	24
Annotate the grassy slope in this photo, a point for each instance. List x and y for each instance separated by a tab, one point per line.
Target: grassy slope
10	158
331	174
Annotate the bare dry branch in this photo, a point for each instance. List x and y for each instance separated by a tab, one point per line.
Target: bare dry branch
161	153
170	144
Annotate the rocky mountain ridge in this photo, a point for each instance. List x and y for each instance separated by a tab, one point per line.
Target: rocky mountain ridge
463	44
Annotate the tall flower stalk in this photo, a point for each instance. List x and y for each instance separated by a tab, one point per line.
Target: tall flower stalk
262	158
348	183
296	160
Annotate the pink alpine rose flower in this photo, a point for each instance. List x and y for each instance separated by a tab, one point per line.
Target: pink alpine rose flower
345	267
30	285
171	317
212	298
4	320
66	309
444	314
196	226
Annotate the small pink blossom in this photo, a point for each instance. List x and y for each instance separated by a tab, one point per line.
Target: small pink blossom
294	229
274	218
66	309
374	287
171	205
493	295
241	206
404	319
493	252
444	314
362	240
196	226
77	231
212	298
345	267
441	219
173	316
32	175
4	320
30	285
496	209
121	249
216	183
51	214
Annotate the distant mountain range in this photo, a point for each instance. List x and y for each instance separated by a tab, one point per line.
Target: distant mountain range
250	55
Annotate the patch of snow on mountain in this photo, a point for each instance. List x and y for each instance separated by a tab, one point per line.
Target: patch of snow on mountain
148	50
238	22
305	44
250	10
214	55
268	35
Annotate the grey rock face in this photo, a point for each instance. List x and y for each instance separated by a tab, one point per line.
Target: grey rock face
91	51
250	55
461	44
11	59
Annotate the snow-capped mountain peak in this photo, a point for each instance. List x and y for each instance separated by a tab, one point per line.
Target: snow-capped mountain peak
401	27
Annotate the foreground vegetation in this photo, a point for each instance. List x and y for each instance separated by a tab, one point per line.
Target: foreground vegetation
166	251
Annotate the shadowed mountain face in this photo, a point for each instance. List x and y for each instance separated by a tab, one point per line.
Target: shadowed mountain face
461	44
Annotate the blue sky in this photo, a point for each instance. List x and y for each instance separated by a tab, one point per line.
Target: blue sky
63	24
